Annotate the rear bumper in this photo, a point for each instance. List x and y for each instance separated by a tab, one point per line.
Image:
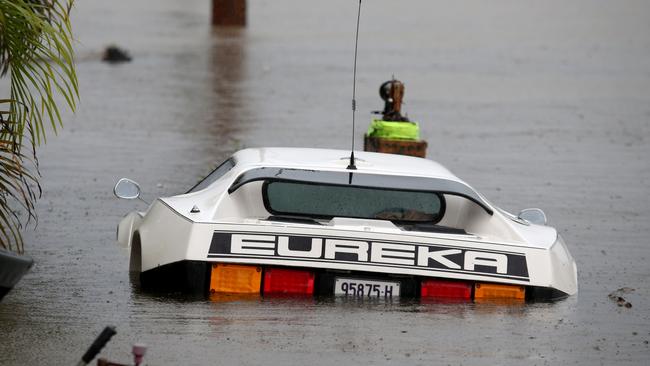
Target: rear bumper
187	277
193	278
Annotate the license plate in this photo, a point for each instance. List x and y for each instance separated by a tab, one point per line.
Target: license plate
365	288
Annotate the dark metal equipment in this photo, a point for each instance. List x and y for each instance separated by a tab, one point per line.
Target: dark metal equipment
392	93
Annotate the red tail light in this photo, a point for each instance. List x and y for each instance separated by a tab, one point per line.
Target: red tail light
288	281
446	289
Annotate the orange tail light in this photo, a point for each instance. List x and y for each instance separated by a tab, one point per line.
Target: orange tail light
498	292
235	279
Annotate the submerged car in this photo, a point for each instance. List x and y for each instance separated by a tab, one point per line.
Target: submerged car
299	221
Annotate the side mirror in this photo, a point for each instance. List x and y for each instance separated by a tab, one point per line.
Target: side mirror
126	189
533	215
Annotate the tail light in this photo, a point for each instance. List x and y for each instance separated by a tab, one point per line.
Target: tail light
493	291
235	279
445	289
288	281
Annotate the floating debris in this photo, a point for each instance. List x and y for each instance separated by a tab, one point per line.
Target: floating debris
620	300
114	54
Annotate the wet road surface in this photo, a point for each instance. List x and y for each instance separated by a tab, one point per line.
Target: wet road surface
544	104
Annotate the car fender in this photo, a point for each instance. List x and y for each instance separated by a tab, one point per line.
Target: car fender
127	226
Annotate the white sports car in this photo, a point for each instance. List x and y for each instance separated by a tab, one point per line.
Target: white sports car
298	221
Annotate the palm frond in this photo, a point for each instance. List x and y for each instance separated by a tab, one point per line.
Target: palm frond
36	51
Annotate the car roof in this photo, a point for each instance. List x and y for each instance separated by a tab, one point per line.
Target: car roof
338	160
354	178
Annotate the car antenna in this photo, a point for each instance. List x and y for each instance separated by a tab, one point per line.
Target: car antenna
352	165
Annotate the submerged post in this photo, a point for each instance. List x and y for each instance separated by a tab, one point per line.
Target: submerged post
229	13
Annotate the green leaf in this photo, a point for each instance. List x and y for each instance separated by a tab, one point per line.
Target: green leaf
36	53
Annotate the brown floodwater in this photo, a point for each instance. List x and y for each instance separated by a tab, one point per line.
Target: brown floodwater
543	104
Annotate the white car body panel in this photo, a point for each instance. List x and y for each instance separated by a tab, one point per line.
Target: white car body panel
170	232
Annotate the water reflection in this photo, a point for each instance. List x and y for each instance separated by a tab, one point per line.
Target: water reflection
228	69
226	297
447	307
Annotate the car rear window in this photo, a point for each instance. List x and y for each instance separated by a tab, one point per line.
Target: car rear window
214	175
327	201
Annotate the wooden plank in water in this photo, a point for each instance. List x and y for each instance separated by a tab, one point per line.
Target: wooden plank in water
390	146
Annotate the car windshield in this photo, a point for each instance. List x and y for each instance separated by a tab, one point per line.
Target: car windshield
327	201
214	175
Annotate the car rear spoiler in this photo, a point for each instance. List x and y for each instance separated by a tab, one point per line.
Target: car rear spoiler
363	180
